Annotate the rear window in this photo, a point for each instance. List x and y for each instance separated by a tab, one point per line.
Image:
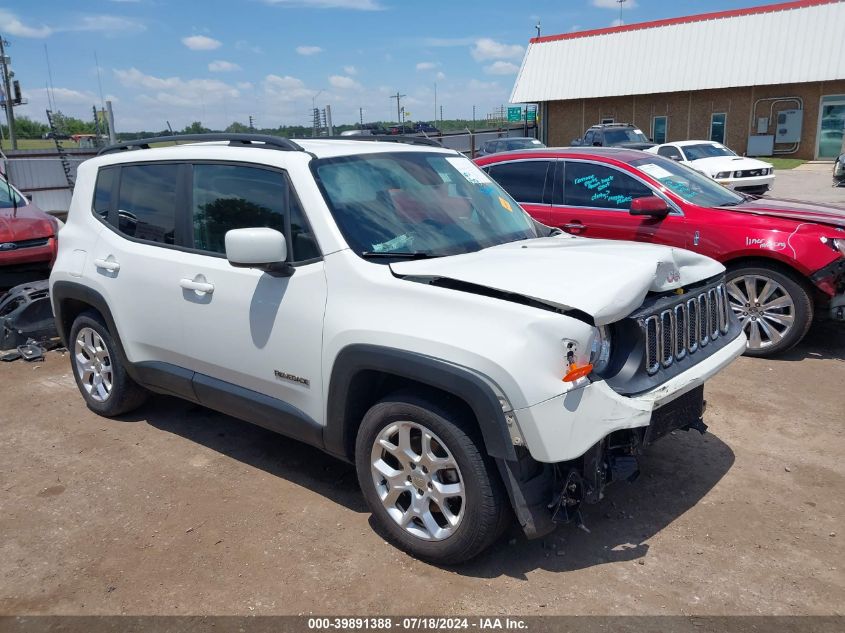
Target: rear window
103	192
146	206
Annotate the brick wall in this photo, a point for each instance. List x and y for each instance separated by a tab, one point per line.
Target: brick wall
689	113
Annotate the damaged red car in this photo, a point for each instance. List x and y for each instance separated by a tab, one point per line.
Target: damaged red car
27	238
785	259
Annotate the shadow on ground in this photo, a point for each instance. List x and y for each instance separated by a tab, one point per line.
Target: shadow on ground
676	473
257	447
825	340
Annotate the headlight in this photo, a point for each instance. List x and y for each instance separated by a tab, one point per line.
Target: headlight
737	174
723	174
600	349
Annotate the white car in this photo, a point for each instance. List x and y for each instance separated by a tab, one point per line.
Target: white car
390	304
748	175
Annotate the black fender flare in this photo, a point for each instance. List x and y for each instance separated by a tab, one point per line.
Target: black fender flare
433	372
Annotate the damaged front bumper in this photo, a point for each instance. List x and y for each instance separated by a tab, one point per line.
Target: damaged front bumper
578	442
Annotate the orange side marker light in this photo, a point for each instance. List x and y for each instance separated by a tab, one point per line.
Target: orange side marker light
575	372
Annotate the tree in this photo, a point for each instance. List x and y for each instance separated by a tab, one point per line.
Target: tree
196	128
238	128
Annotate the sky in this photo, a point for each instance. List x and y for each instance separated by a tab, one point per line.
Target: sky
219	61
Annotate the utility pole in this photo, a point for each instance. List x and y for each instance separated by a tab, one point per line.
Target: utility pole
361	117
473	118
538	27
7	90
251	125
435	104
398	98
621	2
441	115
110	122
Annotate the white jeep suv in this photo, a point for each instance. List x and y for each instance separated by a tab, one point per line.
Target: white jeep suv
390	304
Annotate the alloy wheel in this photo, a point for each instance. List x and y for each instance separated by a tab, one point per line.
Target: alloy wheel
418	481
93	363
764	307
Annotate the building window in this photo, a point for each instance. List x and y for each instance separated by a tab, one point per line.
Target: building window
658	129
831	126
717	127
607	120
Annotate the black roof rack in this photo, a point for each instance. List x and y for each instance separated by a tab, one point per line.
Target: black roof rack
391	138
246	140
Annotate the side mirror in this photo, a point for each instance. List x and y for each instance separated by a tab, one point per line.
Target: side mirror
28	196
260	248
651	206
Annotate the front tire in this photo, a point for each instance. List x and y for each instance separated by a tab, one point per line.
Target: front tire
427	482
775	309
98	368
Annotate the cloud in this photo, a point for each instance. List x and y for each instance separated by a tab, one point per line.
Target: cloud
486	48
344	83
243	45
13	26
221	66
244	85
356	5
286	88
105	24
482	86
501	68
176	91
613	4
350	70
427	66
308	50
617	22
439	76
201	43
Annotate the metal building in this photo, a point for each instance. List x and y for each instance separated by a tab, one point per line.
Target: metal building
763	80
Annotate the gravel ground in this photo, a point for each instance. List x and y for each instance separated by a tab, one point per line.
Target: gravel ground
179	510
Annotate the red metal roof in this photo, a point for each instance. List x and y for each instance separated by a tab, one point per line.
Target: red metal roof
767	8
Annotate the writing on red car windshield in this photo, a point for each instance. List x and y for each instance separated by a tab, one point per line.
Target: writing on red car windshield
601	189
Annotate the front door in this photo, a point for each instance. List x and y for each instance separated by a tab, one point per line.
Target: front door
245	327
594	200
529	182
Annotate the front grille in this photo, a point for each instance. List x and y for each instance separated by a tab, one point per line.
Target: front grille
685	328
751	173
41	241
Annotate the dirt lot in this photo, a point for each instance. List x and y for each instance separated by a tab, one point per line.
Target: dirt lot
180	510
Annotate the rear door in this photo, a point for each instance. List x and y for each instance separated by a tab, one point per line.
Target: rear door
529	182
594	199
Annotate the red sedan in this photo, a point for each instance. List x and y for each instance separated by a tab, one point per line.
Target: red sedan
785	259
27	239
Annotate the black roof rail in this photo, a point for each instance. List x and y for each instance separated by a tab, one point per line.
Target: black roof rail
391	138
246	140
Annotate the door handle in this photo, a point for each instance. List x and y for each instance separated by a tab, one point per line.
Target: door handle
574	226
107	264
199	286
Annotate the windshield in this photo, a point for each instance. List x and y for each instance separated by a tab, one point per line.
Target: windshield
624	136
418	203
689	184
9	197
706	150
520	143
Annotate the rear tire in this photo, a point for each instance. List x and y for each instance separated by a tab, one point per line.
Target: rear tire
99	370
427	482
775	308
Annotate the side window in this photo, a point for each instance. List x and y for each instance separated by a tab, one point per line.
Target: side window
589	137
523	180
593	185
146	205
103	192
227	197
670	151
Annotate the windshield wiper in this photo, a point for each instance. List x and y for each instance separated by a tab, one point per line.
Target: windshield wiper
411	255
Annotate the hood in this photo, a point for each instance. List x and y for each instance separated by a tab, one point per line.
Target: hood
715	164
606	279
633	145
23	226
794	210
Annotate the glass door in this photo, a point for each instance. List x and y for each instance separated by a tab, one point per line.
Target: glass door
831	127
